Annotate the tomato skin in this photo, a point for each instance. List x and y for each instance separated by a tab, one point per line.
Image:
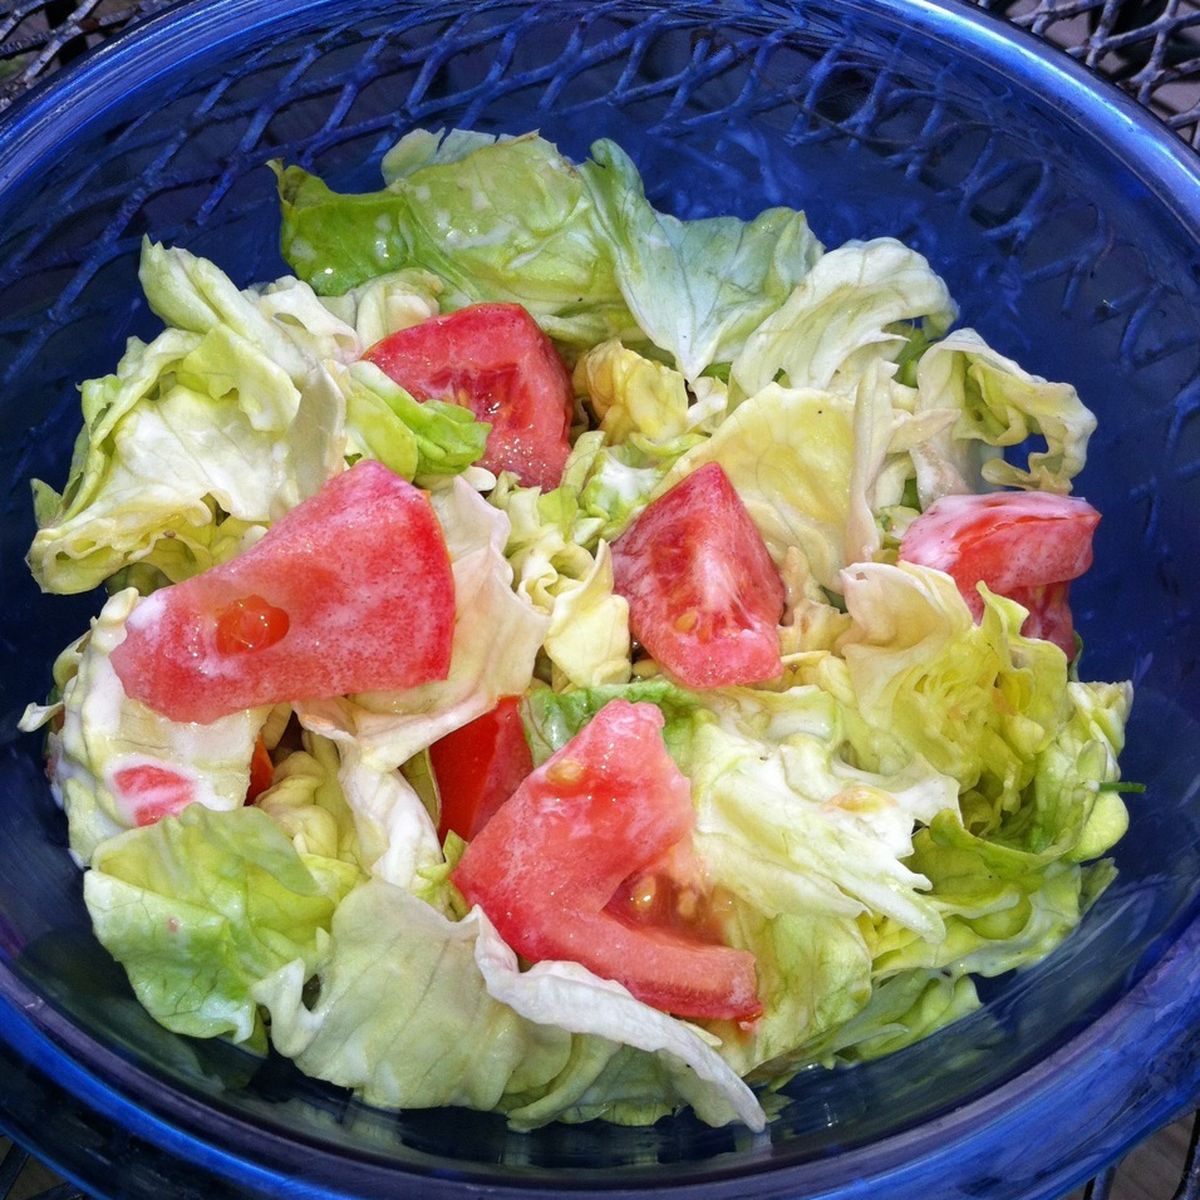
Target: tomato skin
704	596
543	869
495	360
1027	546
479	766
362	575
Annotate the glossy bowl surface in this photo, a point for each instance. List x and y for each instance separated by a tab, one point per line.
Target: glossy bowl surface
1067	224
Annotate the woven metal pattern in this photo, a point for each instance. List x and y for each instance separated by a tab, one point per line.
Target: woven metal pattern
39	36
1150	47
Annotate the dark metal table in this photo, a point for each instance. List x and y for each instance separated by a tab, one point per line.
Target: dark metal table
1150	48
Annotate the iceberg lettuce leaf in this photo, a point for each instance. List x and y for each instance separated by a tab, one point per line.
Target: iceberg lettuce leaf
105	732
697	288
854	305
232	414
200	908
997	404
506	220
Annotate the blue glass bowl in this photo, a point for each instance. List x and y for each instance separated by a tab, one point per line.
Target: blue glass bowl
1067	224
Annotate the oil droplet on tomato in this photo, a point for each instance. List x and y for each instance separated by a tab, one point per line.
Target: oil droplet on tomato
249	623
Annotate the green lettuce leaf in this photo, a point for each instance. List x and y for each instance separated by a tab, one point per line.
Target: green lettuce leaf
104	732
552	718
996	405
505	220
587	639
794	828
853	306
231	415
387	304
814	975
696	288
903	1009
414	439
415	1010
200	908
307	802
978	702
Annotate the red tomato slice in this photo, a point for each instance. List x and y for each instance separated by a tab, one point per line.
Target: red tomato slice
547	864
704	596
148	792
479	766
496	361
351	591
1027	546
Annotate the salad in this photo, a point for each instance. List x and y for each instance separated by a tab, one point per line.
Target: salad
568	661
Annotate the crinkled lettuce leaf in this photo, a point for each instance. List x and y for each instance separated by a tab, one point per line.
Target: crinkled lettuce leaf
399	839
978	702
697	288
199	908
415	440
814	975
587	640
506	220
997	404
855	304
387	304
307	802
415	1010
552	718
903	1008
792	827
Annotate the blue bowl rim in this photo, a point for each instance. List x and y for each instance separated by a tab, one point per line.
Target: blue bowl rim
1159	1016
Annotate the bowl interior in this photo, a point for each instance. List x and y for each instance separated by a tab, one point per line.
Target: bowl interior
1064	254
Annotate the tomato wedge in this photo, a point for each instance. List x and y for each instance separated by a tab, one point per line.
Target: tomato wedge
496	361
1027	546
479	766
351	591
547	864
704	596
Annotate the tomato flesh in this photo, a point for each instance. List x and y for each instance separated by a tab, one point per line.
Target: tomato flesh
496	361
1027	546
262	771
479	766
704	596
351	591
549	862
150	791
